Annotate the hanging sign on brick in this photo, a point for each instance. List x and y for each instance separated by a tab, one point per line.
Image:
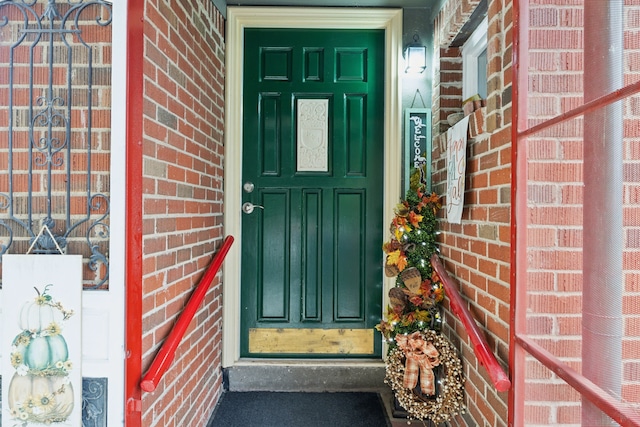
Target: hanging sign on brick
456	167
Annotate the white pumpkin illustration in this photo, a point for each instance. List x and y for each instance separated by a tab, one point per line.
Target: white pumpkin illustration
38	314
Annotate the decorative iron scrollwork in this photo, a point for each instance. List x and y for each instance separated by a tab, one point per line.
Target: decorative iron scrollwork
94	402
52	142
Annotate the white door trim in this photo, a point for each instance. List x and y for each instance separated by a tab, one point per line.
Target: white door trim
115	303
239	18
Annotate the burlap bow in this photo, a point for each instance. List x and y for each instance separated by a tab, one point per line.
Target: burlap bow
421	358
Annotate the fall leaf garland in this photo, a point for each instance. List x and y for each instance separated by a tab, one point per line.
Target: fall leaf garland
413	315
413	231
418	288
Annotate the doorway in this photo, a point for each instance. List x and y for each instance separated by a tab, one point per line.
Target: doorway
240	19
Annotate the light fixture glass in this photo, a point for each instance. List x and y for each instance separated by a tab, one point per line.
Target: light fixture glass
416	59
415	56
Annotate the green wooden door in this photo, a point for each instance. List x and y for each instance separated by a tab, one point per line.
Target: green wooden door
313	165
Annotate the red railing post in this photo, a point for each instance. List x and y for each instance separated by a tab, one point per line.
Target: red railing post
480	346
168	350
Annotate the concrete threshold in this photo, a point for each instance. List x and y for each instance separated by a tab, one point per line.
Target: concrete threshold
304	375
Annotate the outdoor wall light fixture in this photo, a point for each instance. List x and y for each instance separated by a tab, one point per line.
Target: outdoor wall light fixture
415	57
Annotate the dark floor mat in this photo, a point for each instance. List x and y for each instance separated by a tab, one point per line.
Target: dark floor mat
286	409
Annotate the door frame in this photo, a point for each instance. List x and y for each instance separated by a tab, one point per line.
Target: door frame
239	18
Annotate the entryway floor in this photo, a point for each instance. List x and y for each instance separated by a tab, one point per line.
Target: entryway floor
293	409
288	378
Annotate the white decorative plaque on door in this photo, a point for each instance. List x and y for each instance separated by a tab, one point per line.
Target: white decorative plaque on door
312	142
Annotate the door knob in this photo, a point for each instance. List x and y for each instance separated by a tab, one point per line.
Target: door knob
248	207
248	187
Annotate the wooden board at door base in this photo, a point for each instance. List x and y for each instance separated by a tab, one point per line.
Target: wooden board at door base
311	341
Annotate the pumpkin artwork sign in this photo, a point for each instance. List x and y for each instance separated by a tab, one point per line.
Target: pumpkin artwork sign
40	382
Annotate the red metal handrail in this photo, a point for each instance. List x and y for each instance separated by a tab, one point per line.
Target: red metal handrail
480	346
622	413
167	352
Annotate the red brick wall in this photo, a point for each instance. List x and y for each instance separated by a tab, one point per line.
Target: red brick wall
182	202
477	252
447	87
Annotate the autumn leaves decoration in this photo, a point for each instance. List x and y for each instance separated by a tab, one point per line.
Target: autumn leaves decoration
418	290
412	324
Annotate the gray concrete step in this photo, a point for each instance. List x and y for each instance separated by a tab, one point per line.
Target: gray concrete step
299	375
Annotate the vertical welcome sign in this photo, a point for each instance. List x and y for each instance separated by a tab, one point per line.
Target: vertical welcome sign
417	134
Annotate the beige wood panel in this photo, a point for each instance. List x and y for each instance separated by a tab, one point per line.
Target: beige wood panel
311	341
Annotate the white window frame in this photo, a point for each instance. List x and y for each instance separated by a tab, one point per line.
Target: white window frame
471	49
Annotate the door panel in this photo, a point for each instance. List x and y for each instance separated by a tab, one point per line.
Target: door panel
348	241
273	286
311	254
311	249
269	137
355	134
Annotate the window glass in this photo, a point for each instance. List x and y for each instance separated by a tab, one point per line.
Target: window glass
474	63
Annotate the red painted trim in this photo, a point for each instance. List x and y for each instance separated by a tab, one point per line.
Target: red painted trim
622	413
167	352
133	227
480	345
